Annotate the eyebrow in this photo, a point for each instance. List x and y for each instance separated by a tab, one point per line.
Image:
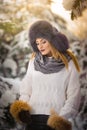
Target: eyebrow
40	40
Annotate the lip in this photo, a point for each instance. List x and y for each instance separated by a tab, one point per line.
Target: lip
42	50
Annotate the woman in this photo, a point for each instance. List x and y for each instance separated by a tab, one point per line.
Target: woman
50	90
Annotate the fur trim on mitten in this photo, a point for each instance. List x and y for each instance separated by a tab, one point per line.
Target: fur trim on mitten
17	107
58	123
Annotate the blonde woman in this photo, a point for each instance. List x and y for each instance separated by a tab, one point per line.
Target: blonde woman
50	90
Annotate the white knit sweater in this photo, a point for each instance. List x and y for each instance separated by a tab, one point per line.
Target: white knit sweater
59	91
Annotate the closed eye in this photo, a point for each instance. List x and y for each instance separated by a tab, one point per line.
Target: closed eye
43	42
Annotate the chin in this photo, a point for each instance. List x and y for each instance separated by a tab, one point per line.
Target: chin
43	54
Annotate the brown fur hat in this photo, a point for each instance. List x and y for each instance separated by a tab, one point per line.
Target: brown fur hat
43	29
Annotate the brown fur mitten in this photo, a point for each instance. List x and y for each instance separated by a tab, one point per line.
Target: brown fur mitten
58	123
20	110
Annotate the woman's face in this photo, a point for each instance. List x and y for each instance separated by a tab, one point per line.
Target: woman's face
43	46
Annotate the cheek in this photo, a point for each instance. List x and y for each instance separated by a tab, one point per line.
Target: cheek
48	48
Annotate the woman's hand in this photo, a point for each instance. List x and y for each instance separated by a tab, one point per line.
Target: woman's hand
25	116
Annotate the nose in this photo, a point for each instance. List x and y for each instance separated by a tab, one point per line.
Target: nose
40	46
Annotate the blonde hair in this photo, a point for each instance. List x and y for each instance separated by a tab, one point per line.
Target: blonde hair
70	53
33	55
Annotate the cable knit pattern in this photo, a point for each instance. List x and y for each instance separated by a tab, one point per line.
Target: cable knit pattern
59	91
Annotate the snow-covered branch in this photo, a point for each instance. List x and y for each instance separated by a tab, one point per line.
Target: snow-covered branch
75	6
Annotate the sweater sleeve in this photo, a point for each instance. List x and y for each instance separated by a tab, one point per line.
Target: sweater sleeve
73	95
26	84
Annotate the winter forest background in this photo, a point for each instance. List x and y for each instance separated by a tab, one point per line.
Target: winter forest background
15	18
